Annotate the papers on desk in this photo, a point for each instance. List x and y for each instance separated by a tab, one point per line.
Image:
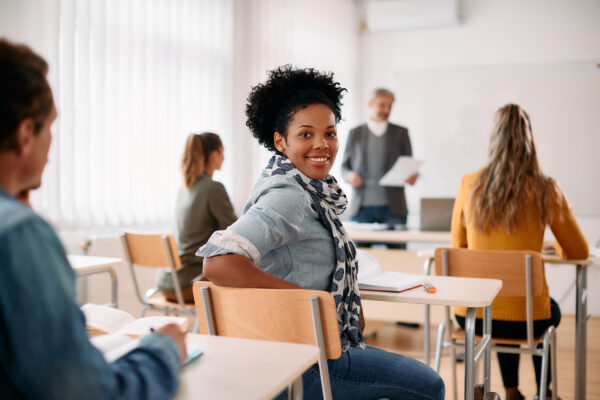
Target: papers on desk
370	276
391	281
102	319
114	346
367	265
402	169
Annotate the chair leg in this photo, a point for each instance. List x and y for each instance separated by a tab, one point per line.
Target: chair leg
143	311
545	359
319	339
295	390
196	327
553	363
454	381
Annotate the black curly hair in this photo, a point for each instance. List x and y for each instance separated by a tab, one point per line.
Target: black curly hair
271	105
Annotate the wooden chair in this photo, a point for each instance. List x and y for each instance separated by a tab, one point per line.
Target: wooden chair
522	275
155	251
280	315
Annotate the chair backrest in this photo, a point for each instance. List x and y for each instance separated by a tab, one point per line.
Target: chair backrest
151	250
281	315
506	265
154	250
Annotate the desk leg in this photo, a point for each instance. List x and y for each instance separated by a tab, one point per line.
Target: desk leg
426	338
427	322
114	284
580	332
295	390
115	288
487	355
469	352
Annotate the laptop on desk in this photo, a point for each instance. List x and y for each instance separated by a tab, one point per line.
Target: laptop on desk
436	214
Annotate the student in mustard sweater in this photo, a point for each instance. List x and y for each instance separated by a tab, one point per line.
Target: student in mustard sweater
506	206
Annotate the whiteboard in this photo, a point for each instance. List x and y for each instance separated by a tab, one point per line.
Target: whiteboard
450	113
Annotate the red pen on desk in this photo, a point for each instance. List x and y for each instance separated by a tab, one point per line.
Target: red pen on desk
429	288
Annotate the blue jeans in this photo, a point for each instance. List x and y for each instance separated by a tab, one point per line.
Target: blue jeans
373	373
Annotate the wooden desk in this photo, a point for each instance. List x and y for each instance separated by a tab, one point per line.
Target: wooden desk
580	319
463	292
89	265
364	235
232	368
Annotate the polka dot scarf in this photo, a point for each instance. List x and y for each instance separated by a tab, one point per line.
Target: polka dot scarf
329	201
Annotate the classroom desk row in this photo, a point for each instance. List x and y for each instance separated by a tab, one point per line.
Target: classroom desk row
581	270
223	371
87	265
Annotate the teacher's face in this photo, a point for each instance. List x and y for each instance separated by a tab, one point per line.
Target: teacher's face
311	143
381	107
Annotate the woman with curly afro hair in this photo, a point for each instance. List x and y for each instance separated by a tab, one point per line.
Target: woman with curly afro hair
290	235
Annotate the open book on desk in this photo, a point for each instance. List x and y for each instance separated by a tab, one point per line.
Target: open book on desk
115	345
100	320
370	276
392	281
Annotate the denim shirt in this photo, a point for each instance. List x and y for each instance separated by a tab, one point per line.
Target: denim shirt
44	349
281	233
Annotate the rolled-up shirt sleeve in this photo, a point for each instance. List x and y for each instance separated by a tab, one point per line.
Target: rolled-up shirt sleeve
274	217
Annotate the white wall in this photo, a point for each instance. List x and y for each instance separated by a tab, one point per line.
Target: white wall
270	33
556	38
449	81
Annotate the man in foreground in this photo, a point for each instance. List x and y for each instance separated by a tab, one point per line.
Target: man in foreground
44	349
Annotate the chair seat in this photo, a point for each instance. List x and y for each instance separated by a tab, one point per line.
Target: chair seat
459	334
158	300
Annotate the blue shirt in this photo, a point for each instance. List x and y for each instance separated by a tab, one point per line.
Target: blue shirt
44	349
281	233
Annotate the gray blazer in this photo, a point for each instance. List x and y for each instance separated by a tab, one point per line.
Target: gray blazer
355	160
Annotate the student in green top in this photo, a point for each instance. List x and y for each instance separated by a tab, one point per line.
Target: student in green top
202	207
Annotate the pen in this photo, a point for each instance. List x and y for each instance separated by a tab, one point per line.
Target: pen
429	288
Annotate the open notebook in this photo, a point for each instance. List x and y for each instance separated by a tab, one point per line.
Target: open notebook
370	276
115	345
100	320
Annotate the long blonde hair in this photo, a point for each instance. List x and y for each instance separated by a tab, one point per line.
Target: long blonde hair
198	148
512	176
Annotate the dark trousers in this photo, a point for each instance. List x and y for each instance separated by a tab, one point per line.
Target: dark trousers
509	362
382	215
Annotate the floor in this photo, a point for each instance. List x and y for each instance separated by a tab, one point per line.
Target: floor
409	341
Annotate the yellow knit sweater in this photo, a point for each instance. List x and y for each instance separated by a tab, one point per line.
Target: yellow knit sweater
571	244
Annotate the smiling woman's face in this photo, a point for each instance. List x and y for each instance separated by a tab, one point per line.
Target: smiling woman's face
311	143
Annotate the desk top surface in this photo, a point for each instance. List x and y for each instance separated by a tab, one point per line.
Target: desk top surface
82	263
554	259
450	291
365	235
232	368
